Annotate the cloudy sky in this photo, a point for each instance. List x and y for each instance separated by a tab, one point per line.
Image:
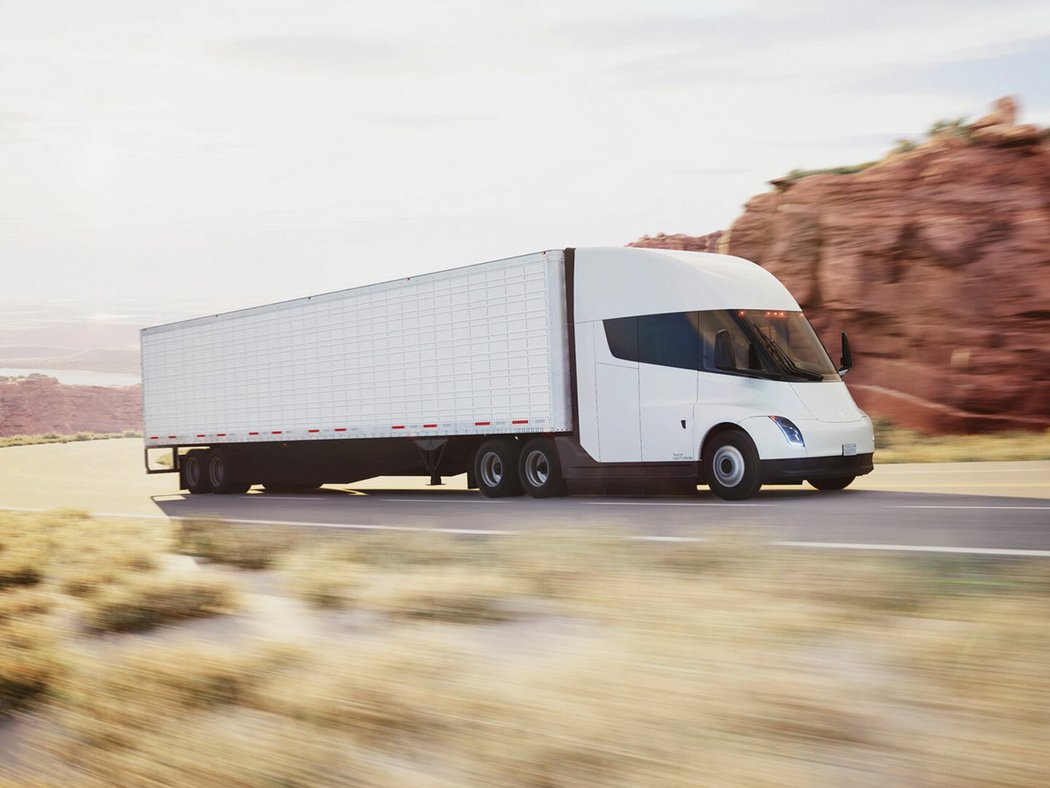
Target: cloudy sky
242	151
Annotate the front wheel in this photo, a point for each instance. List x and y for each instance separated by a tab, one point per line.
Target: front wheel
835	483
731	466
540	469
496	469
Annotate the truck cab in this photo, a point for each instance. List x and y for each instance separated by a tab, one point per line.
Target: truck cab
706	362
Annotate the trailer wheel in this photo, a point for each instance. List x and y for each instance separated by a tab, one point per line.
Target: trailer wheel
220	474
836	483
496	469
195	471
540	469
731	466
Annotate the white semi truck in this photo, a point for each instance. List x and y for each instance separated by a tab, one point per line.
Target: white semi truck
566	370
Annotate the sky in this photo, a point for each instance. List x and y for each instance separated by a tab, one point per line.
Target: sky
180	155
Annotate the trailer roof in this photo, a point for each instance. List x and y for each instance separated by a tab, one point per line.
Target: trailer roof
335	294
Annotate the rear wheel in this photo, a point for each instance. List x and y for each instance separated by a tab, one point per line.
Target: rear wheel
220	474
496	469
540	470
731	466
834	483
195	471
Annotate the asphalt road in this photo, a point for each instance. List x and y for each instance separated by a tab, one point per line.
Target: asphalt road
984	508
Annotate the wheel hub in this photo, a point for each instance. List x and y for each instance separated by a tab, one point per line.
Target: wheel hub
728	465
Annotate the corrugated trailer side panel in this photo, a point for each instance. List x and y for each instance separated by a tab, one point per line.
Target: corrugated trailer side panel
474	350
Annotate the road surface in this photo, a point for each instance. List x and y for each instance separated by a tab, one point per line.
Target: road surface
992	508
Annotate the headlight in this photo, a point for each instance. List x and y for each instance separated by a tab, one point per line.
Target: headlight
792	434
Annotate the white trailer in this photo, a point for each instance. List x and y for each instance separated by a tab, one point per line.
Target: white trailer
564	370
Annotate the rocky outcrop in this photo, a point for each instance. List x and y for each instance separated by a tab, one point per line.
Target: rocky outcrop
689	243
937	262
38	404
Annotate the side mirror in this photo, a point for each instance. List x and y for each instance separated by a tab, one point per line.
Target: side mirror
846	362
725	356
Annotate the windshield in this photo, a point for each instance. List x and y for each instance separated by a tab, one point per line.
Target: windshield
753	343
790	342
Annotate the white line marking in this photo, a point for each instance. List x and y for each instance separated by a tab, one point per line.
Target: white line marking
947	506
899	548
912	548
239	521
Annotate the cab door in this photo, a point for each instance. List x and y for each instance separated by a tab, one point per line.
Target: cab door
668	382
616	391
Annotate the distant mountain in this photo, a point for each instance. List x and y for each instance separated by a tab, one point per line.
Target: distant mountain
36	405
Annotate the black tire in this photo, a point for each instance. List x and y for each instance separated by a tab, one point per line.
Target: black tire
539	469
731	466
496	469
195	471
835	483
221	474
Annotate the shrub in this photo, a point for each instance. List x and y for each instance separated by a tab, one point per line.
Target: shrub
146	600
247	546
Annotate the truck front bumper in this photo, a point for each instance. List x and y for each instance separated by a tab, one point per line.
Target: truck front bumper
796	471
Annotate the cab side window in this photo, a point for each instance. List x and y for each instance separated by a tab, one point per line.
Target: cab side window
670	340
667	340
622	335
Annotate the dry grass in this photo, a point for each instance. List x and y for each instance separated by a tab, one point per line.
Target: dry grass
28	639
425	576
146	601
249	547
61	570
54	437
896	444
560	659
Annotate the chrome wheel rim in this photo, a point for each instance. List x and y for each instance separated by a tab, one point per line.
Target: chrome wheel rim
491	469
728	465
537	468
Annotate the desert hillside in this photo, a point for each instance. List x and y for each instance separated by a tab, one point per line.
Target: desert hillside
935	260
38	404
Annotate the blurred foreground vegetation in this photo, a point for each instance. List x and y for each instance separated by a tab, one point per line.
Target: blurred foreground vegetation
548	659
895	444
54	437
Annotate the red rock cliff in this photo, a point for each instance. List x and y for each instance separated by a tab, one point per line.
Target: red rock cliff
937	262
38	404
